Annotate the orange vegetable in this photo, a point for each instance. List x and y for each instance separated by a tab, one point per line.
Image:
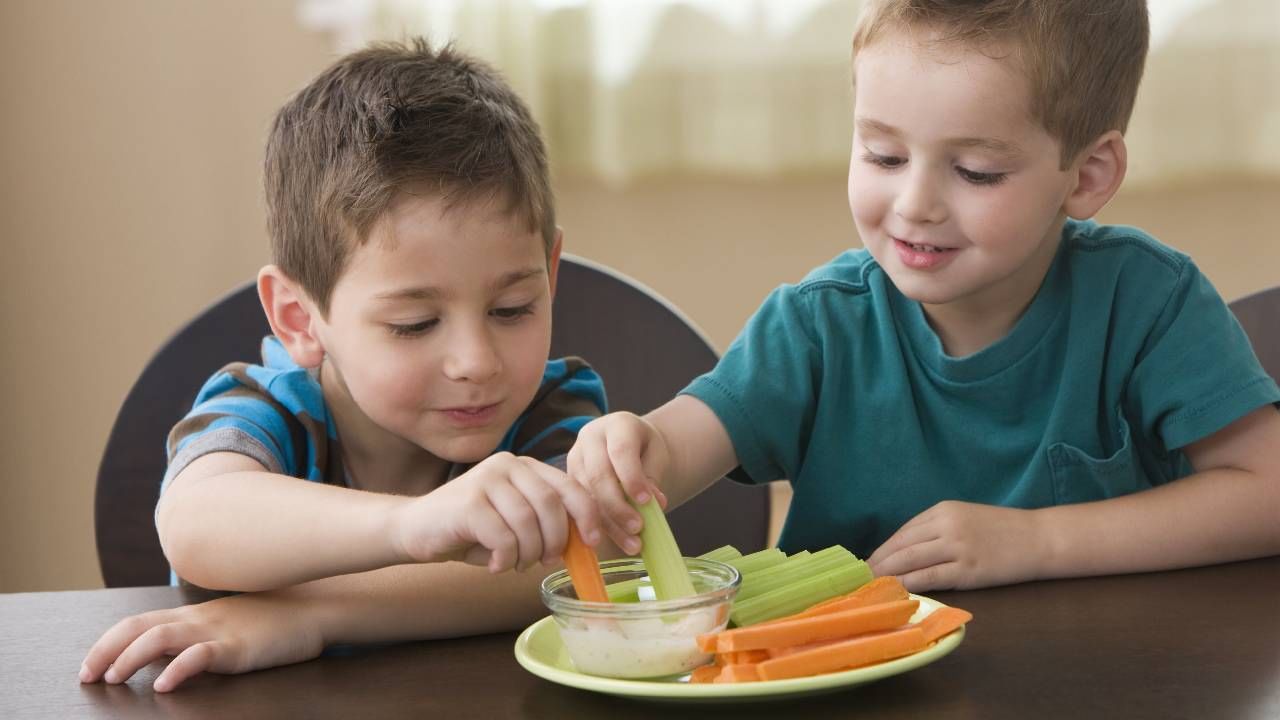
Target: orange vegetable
855	652
942	622
881	590
738	673
828	626
584	568
704	674
707	641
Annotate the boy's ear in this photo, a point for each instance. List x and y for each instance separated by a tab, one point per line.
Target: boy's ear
292	316
553	259
1099	171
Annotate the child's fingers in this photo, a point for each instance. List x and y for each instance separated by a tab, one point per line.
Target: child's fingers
621	521
629	544
913	557
115	640
159	641
576	502
490	531
935	577
542	494
192	661
623	449
520	518
916	530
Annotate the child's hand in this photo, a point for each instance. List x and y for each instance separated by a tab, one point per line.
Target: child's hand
960	545
616	453
506	512
228	635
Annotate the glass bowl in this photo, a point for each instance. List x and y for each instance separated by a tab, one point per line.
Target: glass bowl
646	639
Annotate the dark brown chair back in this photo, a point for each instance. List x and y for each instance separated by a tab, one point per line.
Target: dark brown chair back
643	347
1259	315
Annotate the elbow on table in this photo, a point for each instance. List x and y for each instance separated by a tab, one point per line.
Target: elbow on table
196	558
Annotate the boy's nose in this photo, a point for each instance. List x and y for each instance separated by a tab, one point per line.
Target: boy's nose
471	356
919	200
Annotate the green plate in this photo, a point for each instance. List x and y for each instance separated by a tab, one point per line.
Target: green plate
540	651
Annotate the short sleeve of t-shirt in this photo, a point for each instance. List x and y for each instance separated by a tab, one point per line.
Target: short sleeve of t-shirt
274	413
1196	372
765	388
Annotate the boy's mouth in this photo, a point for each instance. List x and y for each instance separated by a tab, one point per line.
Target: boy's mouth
471	415
921	255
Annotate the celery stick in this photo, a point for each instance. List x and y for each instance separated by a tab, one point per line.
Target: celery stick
802	594
758	560
786	568
791	573
662	558
724	553
626	590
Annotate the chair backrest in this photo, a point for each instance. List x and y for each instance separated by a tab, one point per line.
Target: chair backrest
645	350
1259	315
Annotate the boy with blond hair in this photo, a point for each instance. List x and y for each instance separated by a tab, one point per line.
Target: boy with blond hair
995	389
405	405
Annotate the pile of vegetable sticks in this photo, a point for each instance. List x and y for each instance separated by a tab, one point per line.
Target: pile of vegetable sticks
864	627
795	616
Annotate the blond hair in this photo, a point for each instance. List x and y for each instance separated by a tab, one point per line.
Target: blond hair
1084	58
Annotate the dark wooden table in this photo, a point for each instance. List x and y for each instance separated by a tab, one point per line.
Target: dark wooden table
1201	643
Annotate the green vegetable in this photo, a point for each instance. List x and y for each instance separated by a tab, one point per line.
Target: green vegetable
792	598
723	554
794	570
758	560
662	556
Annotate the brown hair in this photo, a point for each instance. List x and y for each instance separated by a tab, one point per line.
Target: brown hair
1084	58
383	119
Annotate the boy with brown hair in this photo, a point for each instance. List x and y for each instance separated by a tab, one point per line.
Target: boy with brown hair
996	389
405	412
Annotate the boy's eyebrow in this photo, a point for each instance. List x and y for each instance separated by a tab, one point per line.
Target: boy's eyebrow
983	143
427	292
517	276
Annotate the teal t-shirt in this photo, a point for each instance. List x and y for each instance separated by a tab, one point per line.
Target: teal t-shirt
839	384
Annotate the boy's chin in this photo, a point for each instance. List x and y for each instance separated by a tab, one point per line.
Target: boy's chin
925	291
464	450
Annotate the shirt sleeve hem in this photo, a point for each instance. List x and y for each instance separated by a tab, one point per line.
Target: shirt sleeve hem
1203	420
227	439
737	423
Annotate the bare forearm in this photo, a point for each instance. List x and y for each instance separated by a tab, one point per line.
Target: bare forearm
1215	516
257	531
419	602
699	448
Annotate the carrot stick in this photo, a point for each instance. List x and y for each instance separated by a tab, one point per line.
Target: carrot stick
584	569
704	674
738	673
942	622
707	642
745	657
852	653
828	626
881	590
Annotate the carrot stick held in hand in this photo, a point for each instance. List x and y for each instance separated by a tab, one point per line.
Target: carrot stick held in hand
584	568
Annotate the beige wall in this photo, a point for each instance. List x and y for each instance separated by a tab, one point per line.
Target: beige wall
131	136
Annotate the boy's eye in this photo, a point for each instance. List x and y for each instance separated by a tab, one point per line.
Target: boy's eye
980	178
884	161
512	313
413	330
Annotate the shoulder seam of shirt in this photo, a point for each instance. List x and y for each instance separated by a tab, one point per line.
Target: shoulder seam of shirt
858	287
1175	261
